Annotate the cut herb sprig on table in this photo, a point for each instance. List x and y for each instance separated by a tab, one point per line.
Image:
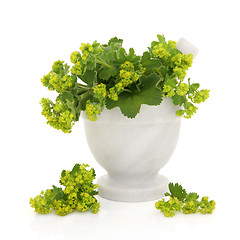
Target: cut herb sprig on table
180	200
108	76
78	193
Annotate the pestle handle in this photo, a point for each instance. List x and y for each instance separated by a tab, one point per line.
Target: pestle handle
186	47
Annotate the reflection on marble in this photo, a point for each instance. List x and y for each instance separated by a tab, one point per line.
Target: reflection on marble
132	151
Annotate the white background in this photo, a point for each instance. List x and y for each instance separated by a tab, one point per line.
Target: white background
36	33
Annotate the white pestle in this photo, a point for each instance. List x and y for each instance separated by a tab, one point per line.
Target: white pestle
186	47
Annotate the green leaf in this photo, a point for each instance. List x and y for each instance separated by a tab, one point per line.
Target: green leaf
164	72
192	196
130	102
149	94
83	101
193	87
95	44
91	65
115	40
89	77
177	191
132	57
122	54
63	173
145	57
75	169
106	73
93	193
149	63
57	193
131	53
161	38
170	80
178	100
67	95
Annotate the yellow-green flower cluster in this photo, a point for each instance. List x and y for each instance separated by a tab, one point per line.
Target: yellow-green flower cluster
173	205
40	203
195	96
169	207
169	88
190	207
182	89
58	79
75	57
180	72
168	91
181	62
172	44
100	92
46	82
57	66
188	111
87	201
206	206
160	51
113	93
58	115
61	84
171	57
127	76
77	68
62	207
200	96
78	193
86	50
92	110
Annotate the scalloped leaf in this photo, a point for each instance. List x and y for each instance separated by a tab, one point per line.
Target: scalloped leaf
130	102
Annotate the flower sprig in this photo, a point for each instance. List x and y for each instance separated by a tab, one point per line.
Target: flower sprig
180	200
58	114
78	193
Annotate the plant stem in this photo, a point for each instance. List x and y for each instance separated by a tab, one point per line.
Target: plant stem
127	90
99	60
81	85
103	63
84	95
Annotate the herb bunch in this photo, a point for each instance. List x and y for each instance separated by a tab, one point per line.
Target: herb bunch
108	76
180	200
78	193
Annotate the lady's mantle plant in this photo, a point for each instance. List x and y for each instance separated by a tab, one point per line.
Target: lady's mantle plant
107	76
180	200
78	193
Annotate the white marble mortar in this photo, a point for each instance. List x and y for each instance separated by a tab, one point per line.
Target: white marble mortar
132	151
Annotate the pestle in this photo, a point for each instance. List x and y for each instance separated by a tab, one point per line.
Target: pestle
186	47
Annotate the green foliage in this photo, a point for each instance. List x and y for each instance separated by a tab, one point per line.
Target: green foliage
177	191
78	193
130	101
109	76
180	200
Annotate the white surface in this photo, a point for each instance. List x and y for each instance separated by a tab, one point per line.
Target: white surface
36	33
132	151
